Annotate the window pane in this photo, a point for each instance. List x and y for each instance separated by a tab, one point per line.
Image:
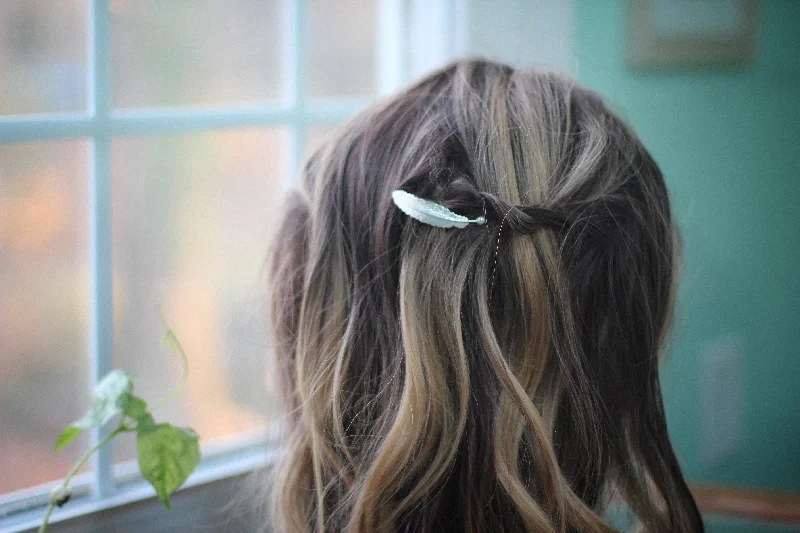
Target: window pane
196	52
342	48
44	307
42	56
191	218
315	137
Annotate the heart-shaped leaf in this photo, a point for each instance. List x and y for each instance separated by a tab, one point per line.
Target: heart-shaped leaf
132	406
167	456
105	404
67	435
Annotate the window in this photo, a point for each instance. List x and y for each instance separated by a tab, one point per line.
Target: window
140	158
143	147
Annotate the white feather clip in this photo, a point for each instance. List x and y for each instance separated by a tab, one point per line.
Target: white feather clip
431	213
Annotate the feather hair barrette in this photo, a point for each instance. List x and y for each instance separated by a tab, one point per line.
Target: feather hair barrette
431	213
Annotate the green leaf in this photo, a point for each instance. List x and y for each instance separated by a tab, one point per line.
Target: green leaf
106	399
167	455
106	402
67	435
145	422
133	406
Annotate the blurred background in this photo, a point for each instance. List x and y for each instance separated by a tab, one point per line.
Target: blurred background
194	115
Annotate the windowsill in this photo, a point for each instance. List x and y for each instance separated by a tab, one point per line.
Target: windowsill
220	473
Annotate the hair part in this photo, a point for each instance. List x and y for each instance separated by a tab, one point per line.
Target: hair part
501	377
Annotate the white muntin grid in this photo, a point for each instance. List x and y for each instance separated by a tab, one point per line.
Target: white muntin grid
413	35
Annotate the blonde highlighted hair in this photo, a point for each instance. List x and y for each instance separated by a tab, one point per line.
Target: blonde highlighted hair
501	377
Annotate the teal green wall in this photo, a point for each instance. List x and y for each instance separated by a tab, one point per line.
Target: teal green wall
728	142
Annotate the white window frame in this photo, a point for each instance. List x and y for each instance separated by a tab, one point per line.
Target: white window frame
413	36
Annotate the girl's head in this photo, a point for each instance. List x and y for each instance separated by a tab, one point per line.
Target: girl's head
499	377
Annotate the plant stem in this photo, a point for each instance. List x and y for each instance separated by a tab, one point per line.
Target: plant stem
77	466
43	527
175	345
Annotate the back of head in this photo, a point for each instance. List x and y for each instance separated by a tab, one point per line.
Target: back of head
499	377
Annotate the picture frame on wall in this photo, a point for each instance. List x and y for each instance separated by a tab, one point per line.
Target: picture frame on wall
690	33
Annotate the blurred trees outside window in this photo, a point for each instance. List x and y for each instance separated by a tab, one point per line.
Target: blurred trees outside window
190	210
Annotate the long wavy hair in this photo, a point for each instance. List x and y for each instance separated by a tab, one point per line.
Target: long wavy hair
500	377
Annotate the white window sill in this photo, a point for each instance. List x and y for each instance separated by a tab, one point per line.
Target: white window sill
202	499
